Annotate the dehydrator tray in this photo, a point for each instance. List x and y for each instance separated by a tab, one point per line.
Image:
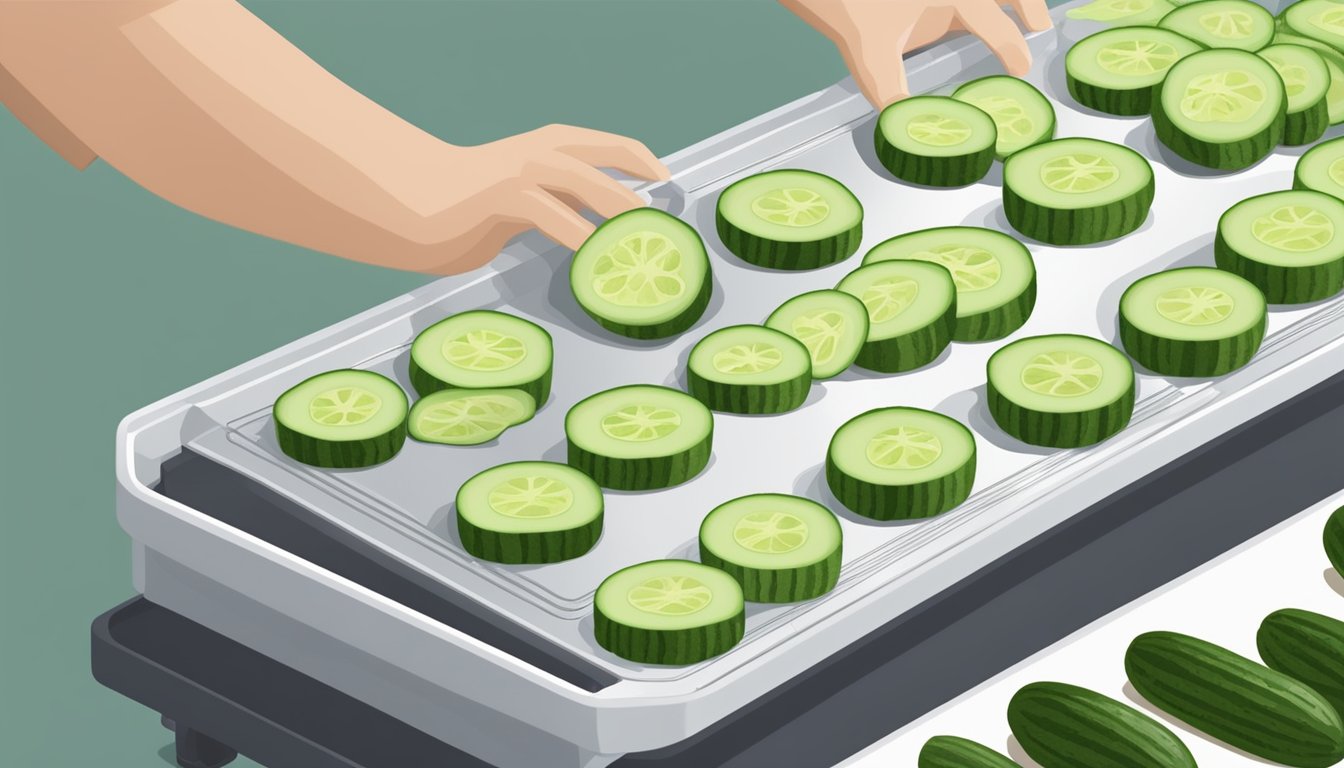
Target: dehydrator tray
401	511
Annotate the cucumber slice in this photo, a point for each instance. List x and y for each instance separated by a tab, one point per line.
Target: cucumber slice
912	311
749	369
937	141
789	219
1306	82
529	512
1061	391
1221	109
1322	168
1022	115
483	349
468	416
1123	11
994	275
1196	321
1239	24
781	549
1077	191
669	612
643	274
1117	71
832	325
1334	63
1290	244
341	419
901	463
640	437
1321	20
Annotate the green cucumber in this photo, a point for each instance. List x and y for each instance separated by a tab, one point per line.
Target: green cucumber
789	219
1222	109
1077	191
1321	168
1236	24
901	463
1022	115
936	141
643	274
1308	647
912	311
1306	81
341	419
1235	700
994	275
1061	391
483	349
669	612
1334	63
1064	726
1123	11
833	325
1117	71
529	512
954	752
468	416
1193	321
781	549
749	369
1333	539
1321	20
1290	244
639	437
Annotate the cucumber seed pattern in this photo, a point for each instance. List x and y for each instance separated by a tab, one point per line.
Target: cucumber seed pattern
465	417
1136	58
1226	96
1077	174
938	130
1062	374
1228	25
344	407
1010	118
1295	228
747	358
770	532
973	269
532	498
889	297
641	423
485	350
670	596
1195	305
791	207
904	448
642	270
820	332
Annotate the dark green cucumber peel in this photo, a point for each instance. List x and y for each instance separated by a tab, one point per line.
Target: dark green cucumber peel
1235	700
1333	540
1308	647
955	752
528	548
1205	359
641	474
786	255
340	455
911	351
682	322
1064	726
651	646
720	392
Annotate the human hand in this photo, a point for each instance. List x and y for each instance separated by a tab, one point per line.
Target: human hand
873	35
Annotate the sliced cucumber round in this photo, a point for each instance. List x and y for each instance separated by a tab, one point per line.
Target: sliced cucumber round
994	275
901	463
640	437
483	349
342	419
912	311
1123	11
1221	109
781	549
937	141
1289	244
1239	24
789	219
1306	82
1077	191
1022	115
749	369
468	416
1321	168
643	274
1321	20
1061	391
529	512
1334	64
1117	71
669	612
833	325
1195	321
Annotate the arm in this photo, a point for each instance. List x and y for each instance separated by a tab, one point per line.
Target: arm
206	106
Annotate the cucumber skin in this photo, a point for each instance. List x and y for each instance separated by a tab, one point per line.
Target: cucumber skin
783	585
642	474
1133	102
752	399
342	454
661	646
912	350
1232	156
1171	357
528	548
999	321
425	383
901	502
1059	430
689	317
1080	226
1306	126
1244	704
775	254
953	171
1064	726
1308	647
1281	285
1333	539
954	752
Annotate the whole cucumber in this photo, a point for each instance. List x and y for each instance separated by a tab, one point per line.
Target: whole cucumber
955	752
1306	646
1064	726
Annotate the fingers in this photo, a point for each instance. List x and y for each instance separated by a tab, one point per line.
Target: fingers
553	218
990	23
1033	13
879	70
605	150
587	185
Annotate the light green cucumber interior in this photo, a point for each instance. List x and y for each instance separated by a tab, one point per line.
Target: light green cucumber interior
1293	228
1238	24
1022	115
1061	373
343	405
1123	11
937	126
1127	58
465	416
1319	19
750	354
642	267
529	497
771	530
638	422
901	296
1322	168
901	446
832	325
1222	95
988	268
1306	79
483	349
791	206
1334	64
669	595
1193	304
1068	174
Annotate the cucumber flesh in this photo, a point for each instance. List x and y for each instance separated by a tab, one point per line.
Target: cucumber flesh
994	275
912	312
1222	109
789	219
1022	115
1117	71
1321	20
1334	63
954	752
1237	24
1306	81
529	512
1123	11
936	141
749	369
781	549
833	325
1321	168
669	612
342	419
1195	321
1064	726
468	416
643	274
1290	244
483	349
1077	191
640	437
1062	391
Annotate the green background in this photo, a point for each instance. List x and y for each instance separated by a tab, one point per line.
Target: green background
111	298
